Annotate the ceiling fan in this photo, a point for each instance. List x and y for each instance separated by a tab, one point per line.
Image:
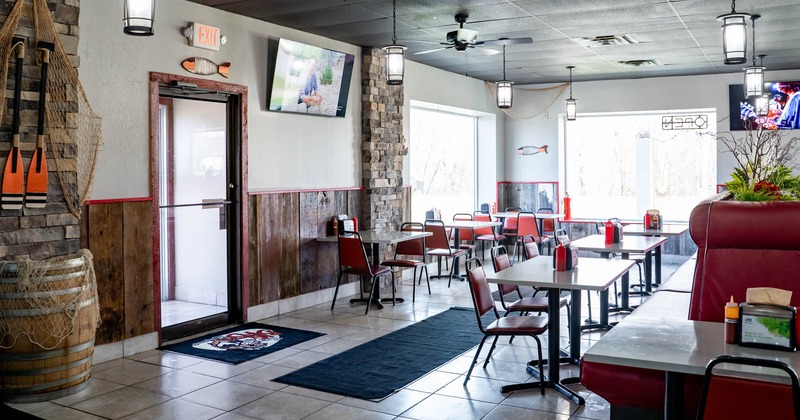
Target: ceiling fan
464	38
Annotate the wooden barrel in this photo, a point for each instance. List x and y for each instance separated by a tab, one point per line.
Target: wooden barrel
46	348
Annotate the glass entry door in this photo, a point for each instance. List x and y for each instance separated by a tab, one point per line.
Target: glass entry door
194	208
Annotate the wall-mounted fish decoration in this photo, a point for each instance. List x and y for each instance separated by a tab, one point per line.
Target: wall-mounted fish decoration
205	67
532	150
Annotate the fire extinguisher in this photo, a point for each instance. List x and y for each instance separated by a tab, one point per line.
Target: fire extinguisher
567	205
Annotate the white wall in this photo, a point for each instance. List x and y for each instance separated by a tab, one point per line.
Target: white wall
662	93
285	151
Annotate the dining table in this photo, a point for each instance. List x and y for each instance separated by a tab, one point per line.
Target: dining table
626	246
671	229
678	348
502	215
595	274
377	238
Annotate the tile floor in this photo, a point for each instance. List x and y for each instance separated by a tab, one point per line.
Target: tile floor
163	385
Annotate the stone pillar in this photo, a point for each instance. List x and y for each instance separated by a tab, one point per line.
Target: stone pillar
53	230
382	142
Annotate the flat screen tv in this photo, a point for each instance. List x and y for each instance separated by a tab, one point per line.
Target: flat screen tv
310	80
782	107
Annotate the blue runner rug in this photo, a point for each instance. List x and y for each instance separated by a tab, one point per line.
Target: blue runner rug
376	369
245	342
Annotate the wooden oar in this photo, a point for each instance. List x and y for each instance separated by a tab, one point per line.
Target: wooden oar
36	188
12	190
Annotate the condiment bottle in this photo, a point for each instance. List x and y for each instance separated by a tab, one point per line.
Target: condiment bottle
335	228
731	321
355	224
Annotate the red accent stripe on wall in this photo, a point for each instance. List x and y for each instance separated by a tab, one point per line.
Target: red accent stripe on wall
302	190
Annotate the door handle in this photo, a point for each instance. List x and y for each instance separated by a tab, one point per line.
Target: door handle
214	203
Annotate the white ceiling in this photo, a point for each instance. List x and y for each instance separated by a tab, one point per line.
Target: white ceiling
683	35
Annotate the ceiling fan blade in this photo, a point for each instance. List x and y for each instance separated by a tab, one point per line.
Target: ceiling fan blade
509	41
430	51
486	51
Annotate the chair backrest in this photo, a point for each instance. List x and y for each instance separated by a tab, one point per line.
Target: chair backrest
414	247
510	224
531	247
484	208
351	251
725	396
439	238
601	227
500	261
481	293
548	225
463	234
527	225
482	217
560	233
429	215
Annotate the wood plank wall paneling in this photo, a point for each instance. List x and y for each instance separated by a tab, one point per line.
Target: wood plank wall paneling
120	236
137	230
105	242
527	195
317	260
280	254
257	295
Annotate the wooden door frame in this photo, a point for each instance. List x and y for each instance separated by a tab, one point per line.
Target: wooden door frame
242	193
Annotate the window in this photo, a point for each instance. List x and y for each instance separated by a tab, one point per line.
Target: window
442	162
622	165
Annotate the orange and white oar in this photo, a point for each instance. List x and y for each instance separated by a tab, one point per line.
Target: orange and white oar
13	178
36	191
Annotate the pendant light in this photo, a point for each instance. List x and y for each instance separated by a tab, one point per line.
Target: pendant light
505	93
572	104
754	75
395	60
734	35
139	17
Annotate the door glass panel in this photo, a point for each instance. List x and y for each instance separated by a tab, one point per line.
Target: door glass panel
194	252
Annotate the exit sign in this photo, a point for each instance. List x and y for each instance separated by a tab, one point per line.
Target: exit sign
205	36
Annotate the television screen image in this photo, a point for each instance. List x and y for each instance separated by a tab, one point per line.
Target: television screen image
781	105
310	80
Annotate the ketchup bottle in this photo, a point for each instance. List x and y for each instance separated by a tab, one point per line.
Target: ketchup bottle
355	224
567	206
609	232
560	258
647	220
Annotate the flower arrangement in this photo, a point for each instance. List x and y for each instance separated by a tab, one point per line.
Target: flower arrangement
762	172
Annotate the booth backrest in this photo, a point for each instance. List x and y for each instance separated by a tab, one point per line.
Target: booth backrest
742	245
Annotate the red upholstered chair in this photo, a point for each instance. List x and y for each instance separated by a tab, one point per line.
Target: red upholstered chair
523	305
527	225
439	246
729	397
466	236
548	226
486	234
510	223
353	260
501	326
414	248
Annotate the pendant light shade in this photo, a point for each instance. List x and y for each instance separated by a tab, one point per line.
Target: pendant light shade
754	75
572	104
734	35
505	94
139	17
505	91
395	54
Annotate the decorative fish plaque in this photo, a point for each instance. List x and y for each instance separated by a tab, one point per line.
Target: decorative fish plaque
531	150
205	67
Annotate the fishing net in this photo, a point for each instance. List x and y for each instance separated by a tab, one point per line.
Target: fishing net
529	102
72	125
74	128
47	301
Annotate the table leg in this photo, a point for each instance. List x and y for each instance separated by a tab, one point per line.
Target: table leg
658	266
648	271
673	396
553	353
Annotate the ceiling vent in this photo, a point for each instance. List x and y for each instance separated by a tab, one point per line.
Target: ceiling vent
642	63
606	40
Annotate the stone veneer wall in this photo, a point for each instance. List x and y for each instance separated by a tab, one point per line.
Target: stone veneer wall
382	204
53	230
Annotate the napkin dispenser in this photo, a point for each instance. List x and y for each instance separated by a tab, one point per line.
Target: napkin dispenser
613	231
565	257
767	326
652	219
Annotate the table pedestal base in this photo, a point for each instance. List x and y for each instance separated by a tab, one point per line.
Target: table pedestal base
570	394
378	301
